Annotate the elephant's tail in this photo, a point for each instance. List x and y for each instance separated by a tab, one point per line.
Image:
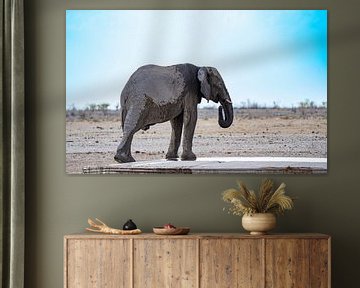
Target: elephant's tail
123	116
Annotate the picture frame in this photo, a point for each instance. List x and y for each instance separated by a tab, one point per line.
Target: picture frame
267	137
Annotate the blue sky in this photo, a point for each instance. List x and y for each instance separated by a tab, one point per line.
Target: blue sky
264	56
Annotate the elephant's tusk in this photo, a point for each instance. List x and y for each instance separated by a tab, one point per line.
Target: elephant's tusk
228	101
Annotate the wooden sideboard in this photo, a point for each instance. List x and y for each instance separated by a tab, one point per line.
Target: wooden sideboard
197	260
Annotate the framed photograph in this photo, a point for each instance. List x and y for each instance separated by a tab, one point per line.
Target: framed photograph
197	91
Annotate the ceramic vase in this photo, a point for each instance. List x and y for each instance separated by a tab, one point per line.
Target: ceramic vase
259	223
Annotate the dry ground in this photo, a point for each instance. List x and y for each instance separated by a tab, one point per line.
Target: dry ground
255	132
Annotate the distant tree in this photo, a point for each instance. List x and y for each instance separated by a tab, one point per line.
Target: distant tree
304	104
242	104
72	107
275	105
73	110
92	107
103	107
252	105
307	104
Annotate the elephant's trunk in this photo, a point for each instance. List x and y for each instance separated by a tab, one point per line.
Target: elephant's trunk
229	114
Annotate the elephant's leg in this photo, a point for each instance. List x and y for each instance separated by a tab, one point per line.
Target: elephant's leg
123	153
190	118
176	125
130	127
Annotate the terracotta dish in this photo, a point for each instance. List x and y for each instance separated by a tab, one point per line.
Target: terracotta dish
171	231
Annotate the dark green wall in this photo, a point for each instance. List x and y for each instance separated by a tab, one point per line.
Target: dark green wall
57	204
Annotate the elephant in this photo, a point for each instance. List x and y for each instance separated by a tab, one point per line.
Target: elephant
155	94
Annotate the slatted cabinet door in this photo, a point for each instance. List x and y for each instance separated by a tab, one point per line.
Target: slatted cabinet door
297	263
231	263
99	263
320	263
168	263
287	263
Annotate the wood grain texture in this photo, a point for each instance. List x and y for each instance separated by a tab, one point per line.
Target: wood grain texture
197	260
287	263
88	235
319	263
231	263
98	263
165	263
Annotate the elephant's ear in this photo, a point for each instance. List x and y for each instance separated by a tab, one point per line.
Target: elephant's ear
204	83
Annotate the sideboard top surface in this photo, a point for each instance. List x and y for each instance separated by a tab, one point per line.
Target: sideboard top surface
87	235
